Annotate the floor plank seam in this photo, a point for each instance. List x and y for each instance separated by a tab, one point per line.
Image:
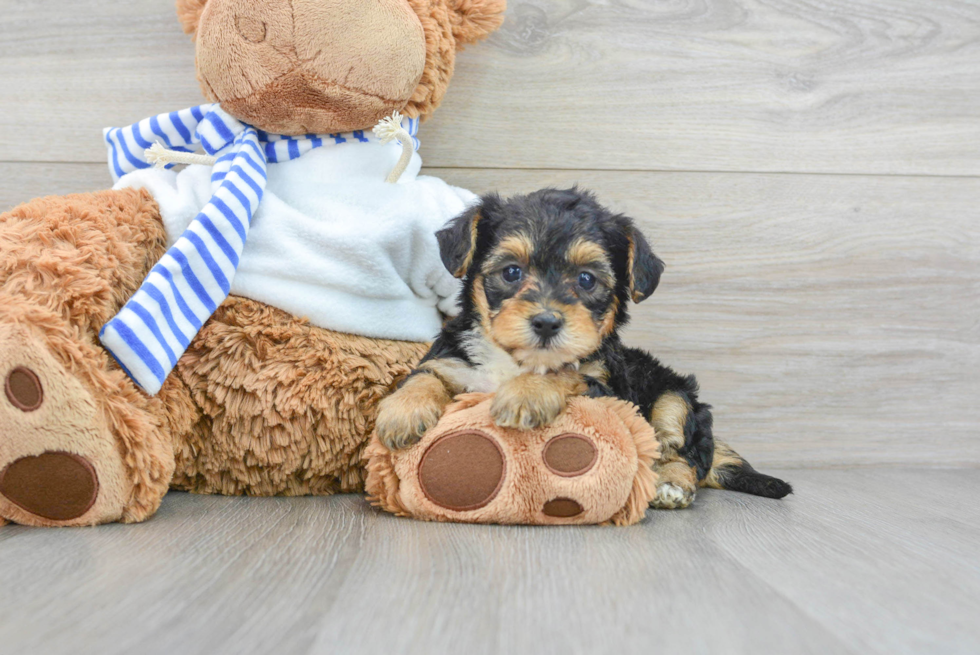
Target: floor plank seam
532	169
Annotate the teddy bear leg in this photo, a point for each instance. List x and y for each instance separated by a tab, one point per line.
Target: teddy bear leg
79	443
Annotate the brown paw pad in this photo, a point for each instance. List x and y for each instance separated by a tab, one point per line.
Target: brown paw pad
569	455
24	389
562	508
462	471
57	486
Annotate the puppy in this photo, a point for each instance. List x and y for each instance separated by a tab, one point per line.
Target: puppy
547	279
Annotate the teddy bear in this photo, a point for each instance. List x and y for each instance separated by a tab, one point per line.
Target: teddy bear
202	329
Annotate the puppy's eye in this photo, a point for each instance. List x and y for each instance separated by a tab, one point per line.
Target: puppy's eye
586	280
512	274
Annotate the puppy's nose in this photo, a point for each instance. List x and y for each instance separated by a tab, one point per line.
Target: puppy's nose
546	325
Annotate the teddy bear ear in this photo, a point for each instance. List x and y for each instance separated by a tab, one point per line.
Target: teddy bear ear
474	20
189	14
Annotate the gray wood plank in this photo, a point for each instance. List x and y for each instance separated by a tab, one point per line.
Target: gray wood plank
832	320
877	86
525	590
21	181
201	571
882	541
853	562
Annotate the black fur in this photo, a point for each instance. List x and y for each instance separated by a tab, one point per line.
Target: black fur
746	479
637	376
647	268
456	241
553	219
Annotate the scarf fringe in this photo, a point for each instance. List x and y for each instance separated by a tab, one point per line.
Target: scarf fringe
160	157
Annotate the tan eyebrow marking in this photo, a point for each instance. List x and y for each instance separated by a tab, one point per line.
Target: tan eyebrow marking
582	253
518	246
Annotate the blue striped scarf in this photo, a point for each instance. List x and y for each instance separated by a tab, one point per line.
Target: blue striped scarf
155	327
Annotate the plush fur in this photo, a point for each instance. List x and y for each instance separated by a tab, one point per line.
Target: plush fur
262	403
281	407
547	281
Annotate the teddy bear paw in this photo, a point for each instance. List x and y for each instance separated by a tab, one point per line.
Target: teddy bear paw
59	464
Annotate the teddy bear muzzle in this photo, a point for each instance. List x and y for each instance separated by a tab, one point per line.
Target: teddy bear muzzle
294	67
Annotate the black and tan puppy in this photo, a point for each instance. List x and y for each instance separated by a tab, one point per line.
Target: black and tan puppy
547	280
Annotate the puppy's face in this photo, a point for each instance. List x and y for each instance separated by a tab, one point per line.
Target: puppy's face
547	275
546	296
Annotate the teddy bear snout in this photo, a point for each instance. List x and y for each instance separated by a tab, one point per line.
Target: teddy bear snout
304	66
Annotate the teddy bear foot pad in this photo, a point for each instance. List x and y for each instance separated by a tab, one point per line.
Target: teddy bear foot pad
592	465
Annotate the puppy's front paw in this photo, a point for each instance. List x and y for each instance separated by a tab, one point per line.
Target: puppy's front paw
404	416
672	496
403	421
527	402
677	484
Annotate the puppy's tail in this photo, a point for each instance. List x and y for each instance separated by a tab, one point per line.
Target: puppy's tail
730	471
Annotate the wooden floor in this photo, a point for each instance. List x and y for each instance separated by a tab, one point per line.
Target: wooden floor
810	172
857	561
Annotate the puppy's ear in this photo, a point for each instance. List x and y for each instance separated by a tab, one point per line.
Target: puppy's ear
645	268
457	241
474	20
189	14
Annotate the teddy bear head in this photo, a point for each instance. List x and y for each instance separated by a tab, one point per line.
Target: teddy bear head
295	67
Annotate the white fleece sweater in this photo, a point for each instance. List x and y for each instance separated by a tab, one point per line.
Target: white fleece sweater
332	241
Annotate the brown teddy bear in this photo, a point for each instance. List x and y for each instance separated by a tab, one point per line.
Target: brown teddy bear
261	401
